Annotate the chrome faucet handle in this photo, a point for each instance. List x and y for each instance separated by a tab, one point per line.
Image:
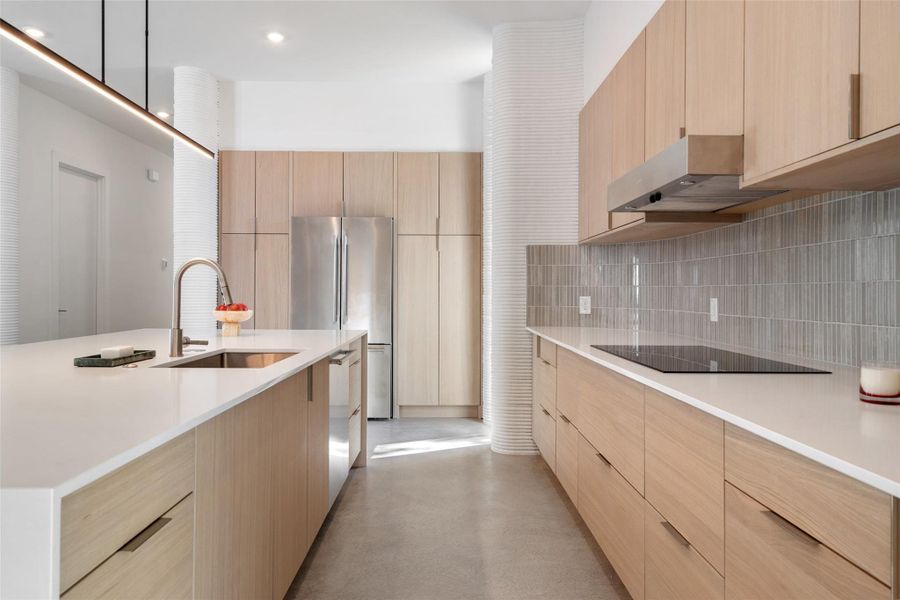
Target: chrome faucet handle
186	341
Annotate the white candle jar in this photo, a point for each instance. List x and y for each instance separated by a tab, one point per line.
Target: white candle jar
879	383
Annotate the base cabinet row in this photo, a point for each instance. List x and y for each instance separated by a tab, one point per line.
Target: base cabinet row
714	511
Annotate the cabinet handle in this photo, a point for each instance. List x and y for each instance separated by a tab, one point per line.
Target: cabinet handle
788	526
853	125
546	362
356	412
564	418
544	410
341	357
148	532
675	534
604	459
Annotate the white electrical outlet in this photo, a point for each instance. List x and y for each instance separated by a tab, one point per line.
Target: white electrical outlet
584	305
714	309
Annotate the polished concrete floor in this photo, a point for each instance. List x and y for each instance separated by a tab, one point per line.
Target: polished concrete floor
437	515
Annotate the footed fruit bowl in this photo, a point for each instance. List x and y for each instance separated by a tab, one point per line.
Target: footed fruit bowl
231	320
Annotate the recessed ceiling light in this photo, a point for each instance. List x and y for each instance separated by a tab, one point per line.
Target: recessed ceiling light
162	114
275	37
34	32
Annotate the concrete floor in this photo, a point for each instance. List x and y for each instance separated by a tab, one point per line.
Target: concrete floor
437	516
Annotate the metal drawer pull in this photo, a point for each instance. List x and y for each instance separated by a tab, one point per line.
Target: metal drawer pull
788	526
148	532
675	534
604	459
356	412
545	361
341	357
564	418
544	410
356	362
853	126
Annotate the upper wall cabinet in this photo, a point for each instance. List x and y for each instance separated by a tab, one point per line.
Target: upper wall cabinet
628	89
273	192
417	193
237	183
665	33
800	60
595	161
460	193
369	184
879	65
318	184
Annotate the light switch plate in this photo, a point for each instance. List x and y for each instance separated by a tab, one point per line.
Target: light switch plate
584	305
714	309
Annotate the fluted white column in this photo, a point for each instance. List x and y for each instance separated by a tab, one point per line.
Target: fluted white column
195	194
537	89
486	229
9	206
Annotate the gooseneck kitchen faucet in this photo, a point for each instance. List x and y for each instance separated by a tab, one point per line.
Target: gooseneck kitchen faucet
177	340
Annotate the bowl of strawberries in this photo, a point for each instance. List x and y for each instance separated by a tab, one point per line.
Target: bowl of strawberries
231	316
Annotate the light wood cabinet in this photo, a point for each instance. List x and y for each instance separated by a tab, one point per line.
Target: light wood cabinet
417	347
879	65
596	158
417	193
573	382
543	431
544	386
272	281
460	193
628	79
158	563
850	517
665	77
290	476
273	192
237	191
237	256
546	351
317	449
614	512
317	180
766	556
674	570
684	462
799	58
460	320
567	437
369	184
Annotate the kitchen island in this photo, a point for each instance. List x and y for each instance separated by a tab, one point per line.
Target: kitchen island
64	429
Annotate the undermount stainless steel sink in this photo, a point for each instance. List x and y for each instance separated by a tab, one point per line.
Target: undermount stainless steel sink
233	360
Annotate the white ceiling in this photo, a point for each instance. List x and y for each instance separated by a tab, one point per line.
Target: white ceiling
387	41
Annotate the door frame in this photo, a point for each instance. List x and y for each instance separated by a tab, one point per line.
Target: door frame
59	160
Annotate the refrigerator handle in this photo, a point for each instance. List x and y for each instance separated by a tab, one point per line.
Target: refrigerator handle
337	270
344	292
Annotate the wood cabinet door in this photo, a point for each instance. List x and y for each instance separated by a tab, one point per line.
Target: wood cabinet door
543	432
567	437
417	193
595	156
714	68
460	193
768	557
273	192
460	320
272	281
799	57
237	191
289	437
317	179
317	449
238	258
879	65
368	184
628	79
233	539
417	346
665	77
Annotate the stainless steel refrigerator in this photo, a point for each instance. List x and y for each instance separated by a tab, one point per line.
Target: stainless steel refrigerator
342	278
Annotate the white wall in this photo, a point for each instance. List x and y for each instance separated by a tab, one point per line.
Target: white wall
609	28
140	214
275	115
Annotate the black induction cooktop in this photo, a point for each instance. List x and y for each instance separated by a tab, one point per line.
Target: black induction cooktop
701	359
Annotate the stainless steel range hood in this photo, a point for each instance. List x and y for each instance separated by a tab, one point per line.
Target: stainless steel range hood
698	173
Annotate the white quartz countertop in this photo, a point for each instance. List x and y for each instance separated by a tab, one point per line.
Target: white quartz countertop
818	416
62	427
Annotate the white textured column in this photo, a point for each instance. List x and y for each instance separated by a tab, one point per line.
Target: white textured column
486	229
195	194
9	206
537	89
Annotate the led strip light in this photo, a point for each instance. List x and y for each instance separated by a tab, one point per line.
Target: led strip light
54	59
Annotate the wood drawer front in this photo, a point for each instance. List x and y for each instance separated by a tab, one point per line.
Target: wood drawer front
544	434
567	437
157	564
614	512
674	569
546	351
573	383
685	472
767	557
611	417
98	519
545	385
850	517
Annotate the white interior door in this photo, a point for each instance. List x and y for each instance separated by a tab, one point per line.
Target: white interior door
79	198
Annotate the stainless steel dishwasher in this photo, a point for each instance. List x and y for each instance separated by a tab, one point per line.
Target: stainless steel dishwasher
338	422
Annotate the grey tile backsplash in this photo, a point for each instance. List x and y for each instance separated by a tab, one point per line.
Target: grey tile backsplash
816	278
